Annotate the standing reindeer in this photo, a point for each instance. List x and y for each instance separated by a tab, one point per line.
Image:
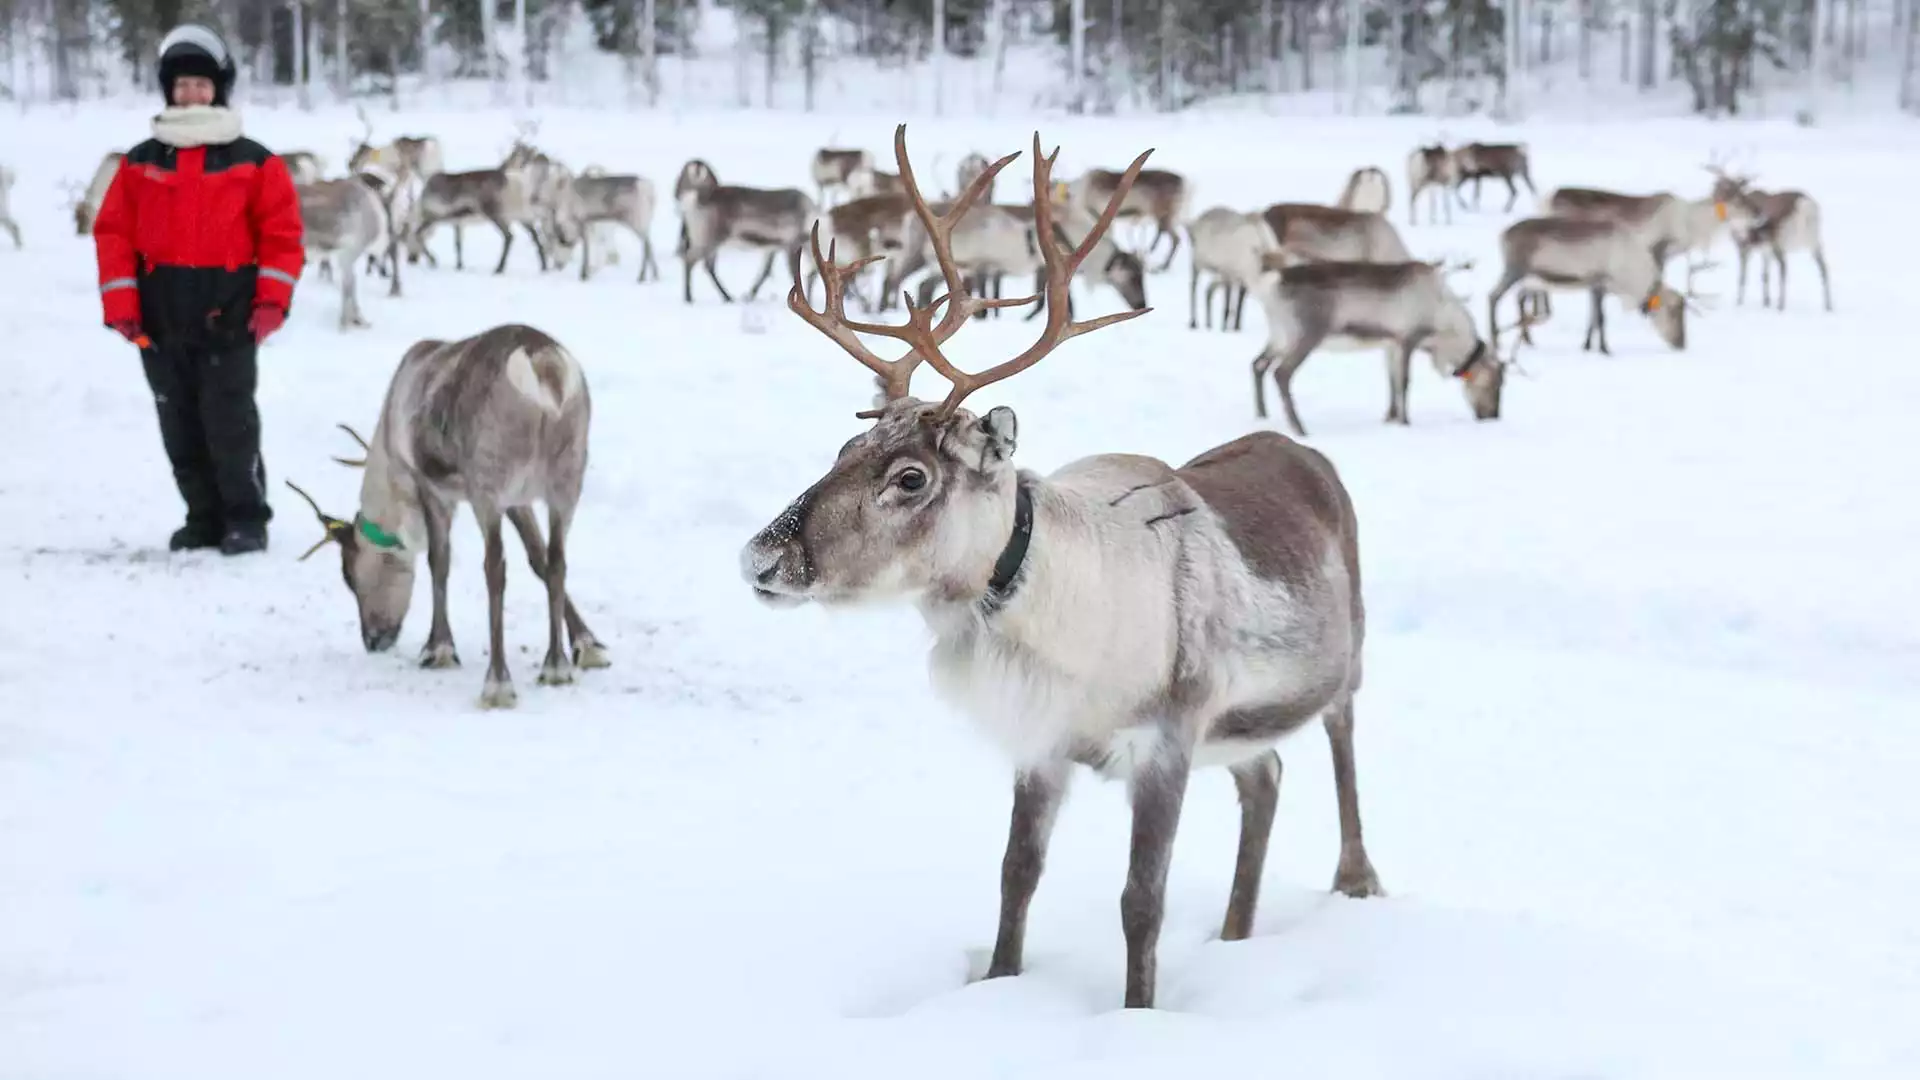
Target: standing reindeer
1666	224
1228	244
1119	613
341	220
1596	257
497	421
409	157
1503	161
1158	195
503	196
1430	169
587	201
863	227
1368	191
1781	222
1363	306
715	215
6	206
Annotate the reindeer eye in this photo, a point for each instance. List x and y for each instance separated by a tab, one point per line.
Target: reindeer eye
911	479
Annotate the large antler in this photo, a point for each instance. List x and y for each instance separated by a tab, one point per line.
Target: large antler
1060	268
919	331
360	461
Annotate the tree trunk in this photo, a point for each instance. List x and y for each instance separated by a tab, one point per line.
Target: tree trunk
1077	55
1649	42
809	49
650	52
939	55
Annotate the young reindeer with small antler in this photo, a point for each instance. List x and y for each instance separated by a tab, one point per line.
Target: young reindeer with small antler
498	421
1546	254
1122	614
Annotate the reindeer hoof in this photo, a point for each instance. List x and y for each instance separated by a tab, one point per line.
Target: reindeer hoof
590	654
556	673
498	695
1358	881
439	656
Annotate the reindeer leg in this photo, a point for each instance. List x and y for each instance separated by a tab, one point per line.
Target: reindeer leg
1239	305
498	692
586	251
1157	789
1040	294
1262	363
587	650
350	295
1399	371
1820	260
1172	234
1193	291
1283	377
1766	280
555	670
1740	296
1037	794
13	231
506	244
1513	194
1355	876
1258	782
393	262
1781	258
1597	322
713	275
439	652
766	271
460	246
539	248
1507	281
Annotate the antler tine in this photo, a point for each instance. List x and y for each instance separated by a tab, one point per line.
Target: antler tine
961	305
1060	268
333	525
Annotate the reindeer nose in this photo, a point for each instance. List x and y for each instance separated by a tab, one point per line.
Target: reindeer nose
759	561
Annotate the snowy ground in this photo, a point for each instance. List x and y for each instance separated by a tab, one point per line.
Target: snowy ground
1636	747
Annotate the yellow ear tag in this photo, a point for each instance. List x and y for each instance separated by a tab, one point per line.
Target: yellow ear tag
1720	210
1059	191
1653	302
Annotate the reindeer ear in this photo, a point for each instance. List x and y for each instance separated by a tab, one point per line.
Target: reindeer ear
1002	430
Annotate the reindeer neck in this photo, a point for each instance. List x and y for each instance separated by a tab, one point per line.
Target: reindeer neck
388	500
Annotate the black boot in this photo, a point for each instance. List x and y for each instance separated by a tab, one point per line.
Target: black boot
195	534
242	539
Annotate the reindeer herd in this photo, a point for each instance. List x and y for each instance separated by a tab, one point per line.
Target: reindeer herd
1118	613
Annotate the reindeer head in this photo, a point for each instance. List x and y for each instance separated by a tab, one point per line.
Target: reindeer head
924	501
696	177
377	567
1667	307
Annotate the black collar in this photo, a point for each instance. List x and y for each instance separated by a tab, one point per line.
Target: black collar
1013	557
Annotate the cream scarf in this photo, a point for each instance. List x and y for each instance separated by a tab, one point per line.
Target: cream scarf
185	126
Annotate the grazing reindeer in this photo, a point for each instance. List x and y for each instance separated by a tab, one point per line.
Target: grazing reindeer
304	166
1122	614
1309	232
86	206
498	421
341	219
1548	254
1367	190
7	179
1477	161
1159	194
587	201
503	196
407	157
833	171
1228	244
1430	169
1780	221
1363	306
715	215
989	242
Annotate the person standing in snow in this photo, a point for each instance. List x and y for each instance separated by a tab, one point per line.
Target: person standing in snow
199	244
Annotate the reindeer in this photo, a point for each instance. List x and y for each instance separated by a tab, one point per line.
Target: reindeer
1159	195
989	242
1368	191
969	170
340	220
1780	221
714	215
867	180
1362	306
1119	613
834	170
7	179
586	201
1227	244
1477	161
1309	232
503	196
1431	169
497	420
86	201
1667	224
1597	257
407	157
304	166
397	203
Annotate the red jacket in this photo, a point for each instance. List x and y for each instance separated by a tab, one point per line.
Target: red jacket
190	240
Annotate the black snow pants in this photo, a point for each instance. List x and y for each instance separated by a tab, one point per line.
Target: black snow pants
210	427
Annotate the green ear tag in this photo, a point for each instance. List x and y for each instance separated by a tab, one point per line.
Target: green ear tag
379	536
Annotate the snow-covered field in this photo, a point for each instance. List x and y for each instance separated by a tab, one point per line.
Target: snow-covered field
1636	750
